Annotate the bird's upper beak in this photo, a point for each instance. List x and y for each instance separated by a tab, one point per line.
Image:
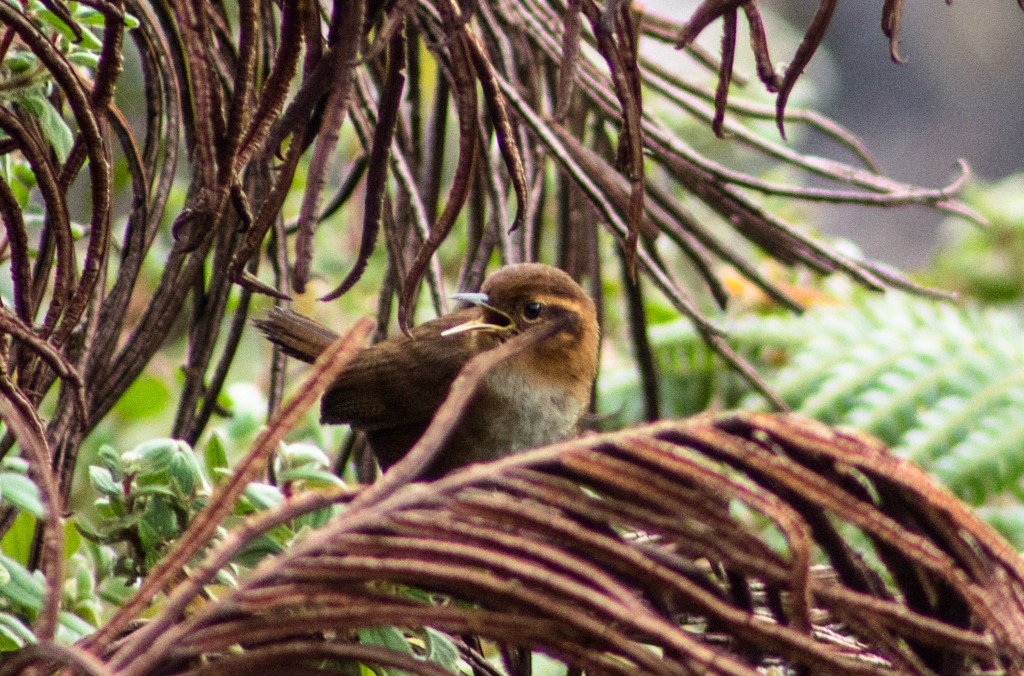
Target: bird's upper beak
481	300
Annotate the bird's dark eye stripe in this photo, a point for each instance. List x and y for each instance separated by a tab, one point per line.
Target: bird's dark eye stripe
532	309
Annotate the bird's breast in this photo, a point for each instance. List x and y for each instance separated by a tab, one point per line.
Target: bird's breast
514	413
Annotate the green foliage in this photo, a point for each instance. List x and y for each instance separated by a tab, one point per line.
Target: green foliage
21	598
146	496
17	489
986	263
942	385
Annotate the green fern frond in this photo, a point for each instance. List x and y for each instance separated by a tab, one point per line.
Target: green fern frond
944	386
990	459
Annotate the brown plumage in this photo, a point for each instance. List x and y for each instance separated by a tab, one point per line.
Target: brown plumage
392	389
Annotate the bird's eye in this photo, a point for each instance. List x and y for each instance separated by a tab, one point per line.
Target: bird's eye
532	309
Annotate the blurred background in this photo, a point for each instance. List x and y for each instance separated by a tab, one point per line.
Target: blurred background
960	94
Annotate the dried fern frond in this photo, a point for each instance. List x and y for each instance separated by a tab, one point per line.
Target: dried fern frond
678	547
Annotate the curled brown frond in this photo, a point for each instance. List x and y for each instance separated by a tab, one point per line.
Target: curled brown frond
677	547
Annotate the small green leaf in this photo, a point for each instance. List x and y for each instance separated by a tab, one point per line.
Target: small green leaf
161	518
190	457
23	588
183	475
263	496
72	540
215	457
20	62
55	129
13	633
296	455
389	637
86	59
257	550
116	592
441	650
21	492
317	519
90	610
17	541
88	16
103	481
71	628
89	39
148	536
151	456
15	464
312	477
85	585
110	458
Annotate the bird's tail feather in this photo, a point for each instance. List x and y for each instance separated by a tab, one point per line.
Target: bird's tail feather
298	335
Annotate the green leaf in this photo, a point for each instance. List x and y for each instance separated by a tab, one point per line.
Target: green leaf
110	458
86	59
183	475
317	519
312	477
89	39
23	588
71	628
15	464
215	457
55	129
151	457
263	496
20	62
148	536
85	584
388	637
441	650
257	550
296	455
161	518
72	539
21	492
17	541
103	481
13	633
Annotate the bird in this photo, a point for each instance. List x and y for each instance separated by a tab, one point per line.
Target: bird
536	396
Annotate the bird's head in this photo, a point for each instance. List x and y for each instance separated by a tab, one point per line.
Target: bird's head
533	296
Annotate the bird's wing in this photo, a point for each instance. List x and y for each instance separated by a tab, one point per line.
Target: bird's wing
402	380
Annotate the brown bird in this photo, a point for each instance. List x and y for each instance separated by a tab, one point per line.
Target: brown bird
537	396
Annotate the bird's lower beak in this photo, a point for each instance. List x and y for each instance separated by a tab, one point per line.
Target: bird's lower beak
472	325
481	300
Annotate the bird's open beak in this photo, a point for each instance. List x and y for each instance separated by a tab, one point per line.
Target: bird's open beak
479	299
